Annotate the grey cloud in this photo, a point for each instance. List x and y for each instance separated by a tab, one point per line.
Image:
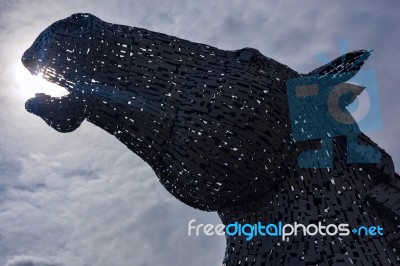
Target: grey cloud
31	261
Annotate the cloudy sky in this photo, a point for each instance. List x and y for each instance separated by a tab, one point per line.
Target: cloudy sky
83	198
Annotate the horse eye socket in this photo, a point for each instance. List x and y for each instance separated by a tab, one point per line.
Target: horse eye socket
245	55
69	26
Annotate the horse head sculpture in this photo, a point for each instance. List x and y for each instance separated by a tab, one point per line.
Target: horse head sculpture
215	127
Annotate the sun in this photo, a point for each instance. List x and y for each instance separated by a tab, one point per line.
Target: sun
28	85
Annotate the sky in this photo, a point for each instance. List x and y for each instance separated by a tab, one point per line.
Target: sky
83	198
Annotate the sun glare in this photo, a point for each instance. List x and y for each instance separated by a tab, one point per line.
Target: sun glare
29	85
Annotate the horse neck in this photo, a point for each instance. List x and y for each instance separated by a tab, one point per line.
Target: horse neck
309	196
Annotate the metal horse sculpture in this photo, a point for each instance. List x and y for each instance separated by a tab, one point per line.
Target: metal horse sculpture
214	126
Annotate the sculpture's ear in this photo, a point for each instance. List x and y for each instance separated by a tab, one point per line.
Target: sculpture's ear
342	68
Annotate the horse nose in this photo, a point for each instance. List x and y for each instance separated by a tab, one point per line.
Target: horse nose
29	62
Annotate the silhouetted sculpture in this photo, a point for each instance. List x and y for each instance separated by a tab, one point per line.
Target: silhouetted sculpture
214	126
